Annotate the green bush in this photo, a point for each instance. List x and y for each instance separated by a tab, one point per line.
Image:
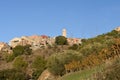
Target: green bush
19	50
19	63
61	40
36	74
93	48
39	65
27	50
57	61
12	74
74	47
9	57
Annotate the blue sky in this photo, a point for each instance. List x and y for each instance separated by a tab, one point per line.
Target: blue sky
81	18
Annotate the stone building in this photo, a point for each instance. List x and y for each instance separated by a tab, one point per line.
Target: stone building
14	42
35	41
72	41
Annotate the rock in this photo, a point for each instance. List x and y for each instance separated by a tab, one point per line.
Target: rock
46	75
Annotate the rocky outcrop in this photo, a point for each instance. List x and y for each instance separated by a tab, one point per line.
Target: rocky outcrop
46	75
4	47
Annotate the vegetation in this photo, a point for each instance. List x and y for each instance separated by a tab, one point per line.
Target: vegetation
61	40
57	61
19	50
114	73
82	75
95	59
39	65
74	47
9	57
19	63
97	51
12	74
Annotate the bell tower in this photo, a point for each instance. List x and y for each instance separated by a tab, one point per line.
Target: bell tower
64	33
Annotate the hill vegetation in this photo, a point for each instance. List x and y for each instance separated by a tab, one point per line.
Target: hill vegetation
96	58
103	52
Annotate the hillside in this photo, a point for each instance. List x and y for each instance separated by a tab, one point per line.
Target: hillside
94	59
101	59
102	72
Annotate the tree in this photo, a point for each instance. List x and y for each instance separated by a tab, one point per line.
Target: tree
18	50
61	40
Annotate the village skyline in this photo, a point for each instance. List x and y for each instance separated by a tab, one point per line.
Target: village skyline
81	18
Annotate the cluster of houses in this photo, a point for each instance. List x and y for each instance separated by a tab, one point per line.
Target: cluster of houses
36	41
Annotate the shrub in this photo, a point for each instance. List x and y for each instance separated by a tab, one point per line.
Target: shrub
39	66
74	47
9	57
61	40
19	50
27	50
19	63
12	74
36	74
39	63
56	62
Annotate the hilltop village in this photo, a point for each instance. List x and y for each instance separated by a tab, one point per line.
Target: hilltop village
36	41
40	57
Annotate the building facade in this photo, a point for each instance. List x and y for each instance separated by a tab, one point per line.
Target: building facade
35	41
